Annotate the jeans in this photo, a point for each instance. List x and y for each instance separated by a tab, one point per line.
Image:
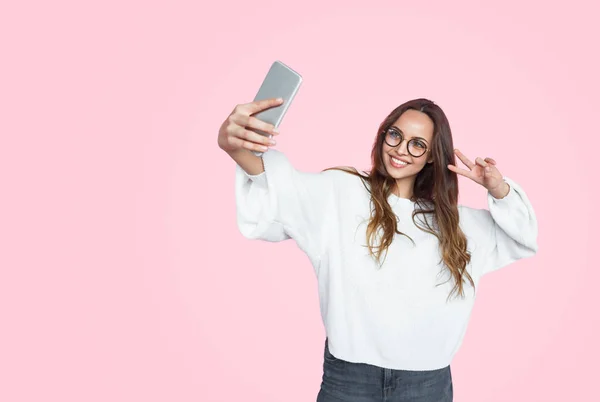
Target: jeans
345	381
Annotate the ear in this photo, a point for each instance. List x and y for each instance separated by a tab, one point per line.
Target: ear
430	158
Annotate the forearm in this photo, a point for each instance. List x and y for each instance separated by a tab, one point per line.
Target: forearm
251	163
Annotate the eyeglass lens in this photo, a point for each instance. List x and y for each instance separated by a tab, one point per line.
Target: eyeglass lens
416	147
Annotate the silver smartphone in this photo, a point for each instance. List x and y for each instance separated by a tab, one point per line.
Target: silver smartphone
280	82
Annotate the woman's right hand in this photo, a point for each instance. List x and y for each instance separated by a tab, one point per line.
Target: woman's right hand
234	134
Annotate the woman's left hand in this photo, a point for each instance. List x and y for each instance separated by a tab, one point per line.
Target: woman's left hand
483	171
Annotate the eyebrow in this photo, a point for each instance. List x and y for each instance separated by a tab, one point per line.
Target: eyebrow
421	138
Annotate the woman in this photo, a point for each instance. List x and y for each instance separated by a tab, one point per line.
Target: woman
396	259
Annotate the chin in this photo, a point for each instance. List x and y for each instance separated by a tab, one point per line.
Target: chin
401	175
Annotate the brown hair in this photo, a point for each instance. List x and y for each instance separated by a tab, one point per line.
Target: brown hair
435	192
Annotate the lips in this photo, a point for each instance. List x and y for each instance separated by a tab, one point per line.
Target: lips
398	165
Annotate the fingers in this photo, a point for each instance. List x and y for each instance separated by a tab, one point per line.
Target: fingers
472	173
460	171
254	147
252	140
464	159
240	143
242	115
481	162
242	130
253	122
257	106
478	161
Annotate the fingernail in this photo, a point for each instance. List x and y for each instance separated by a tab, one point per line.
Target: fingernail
276	130
272	142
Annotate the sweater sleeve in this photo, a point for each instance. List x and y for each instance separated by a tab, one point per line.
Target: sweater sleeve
510	228
283	203
504	233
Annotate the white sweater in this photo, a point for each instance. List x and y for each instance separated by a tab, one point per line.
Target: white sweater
394	316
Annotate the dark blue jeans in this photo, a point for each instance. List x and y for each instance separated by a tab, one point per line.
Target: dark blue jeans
345	381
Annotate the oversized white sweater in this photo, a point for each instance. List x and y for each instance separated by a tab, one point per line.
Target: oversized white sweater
394	316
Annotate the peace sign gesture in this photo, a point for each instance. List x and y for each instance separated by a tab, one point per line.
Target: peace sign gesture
483	171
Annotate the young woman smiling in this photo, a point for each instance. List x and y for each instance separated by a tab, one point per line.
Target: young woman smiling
396	258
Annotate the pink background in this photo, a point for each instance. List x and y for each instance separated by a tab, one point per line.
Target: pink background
123	274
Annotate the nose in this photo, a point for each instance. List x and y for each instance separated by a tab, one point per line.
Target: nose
402	148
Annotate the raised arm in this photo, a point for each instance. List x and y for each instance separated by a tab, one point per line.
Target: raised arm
508	230
282	203
274	201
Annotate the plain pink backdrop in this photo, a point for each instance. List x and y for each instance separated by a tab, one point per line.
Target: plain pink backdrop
123	274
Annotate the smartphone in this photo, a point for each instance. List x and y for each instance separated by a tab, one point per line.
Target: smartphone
280	82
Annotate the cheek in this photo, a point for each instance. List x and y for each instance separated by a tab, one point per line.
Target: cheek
419	164
384	153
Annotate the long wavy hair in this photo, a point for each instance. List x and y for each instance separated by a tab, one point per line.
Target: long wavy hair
435	193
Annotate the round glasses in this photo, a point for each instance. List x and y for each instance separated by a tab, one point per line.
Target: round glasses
416	146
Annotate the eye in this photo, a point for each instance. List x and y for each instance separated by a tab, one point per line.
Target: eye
393	133
420	144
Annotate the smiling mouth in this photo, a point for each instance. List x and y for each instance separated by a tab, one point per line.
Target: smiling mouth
397	163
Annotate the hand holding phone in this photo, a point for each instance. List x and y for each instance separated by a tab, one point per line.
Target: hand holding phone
238	131
280	82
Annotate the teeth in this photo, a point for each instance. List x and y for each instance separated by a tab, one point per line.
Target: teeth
398	161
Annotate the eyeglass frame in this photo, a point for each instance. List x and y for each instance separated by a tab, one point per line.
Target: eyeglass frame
384	132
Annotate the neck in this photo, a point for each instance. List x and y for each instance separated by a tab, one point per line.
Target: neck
404	187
